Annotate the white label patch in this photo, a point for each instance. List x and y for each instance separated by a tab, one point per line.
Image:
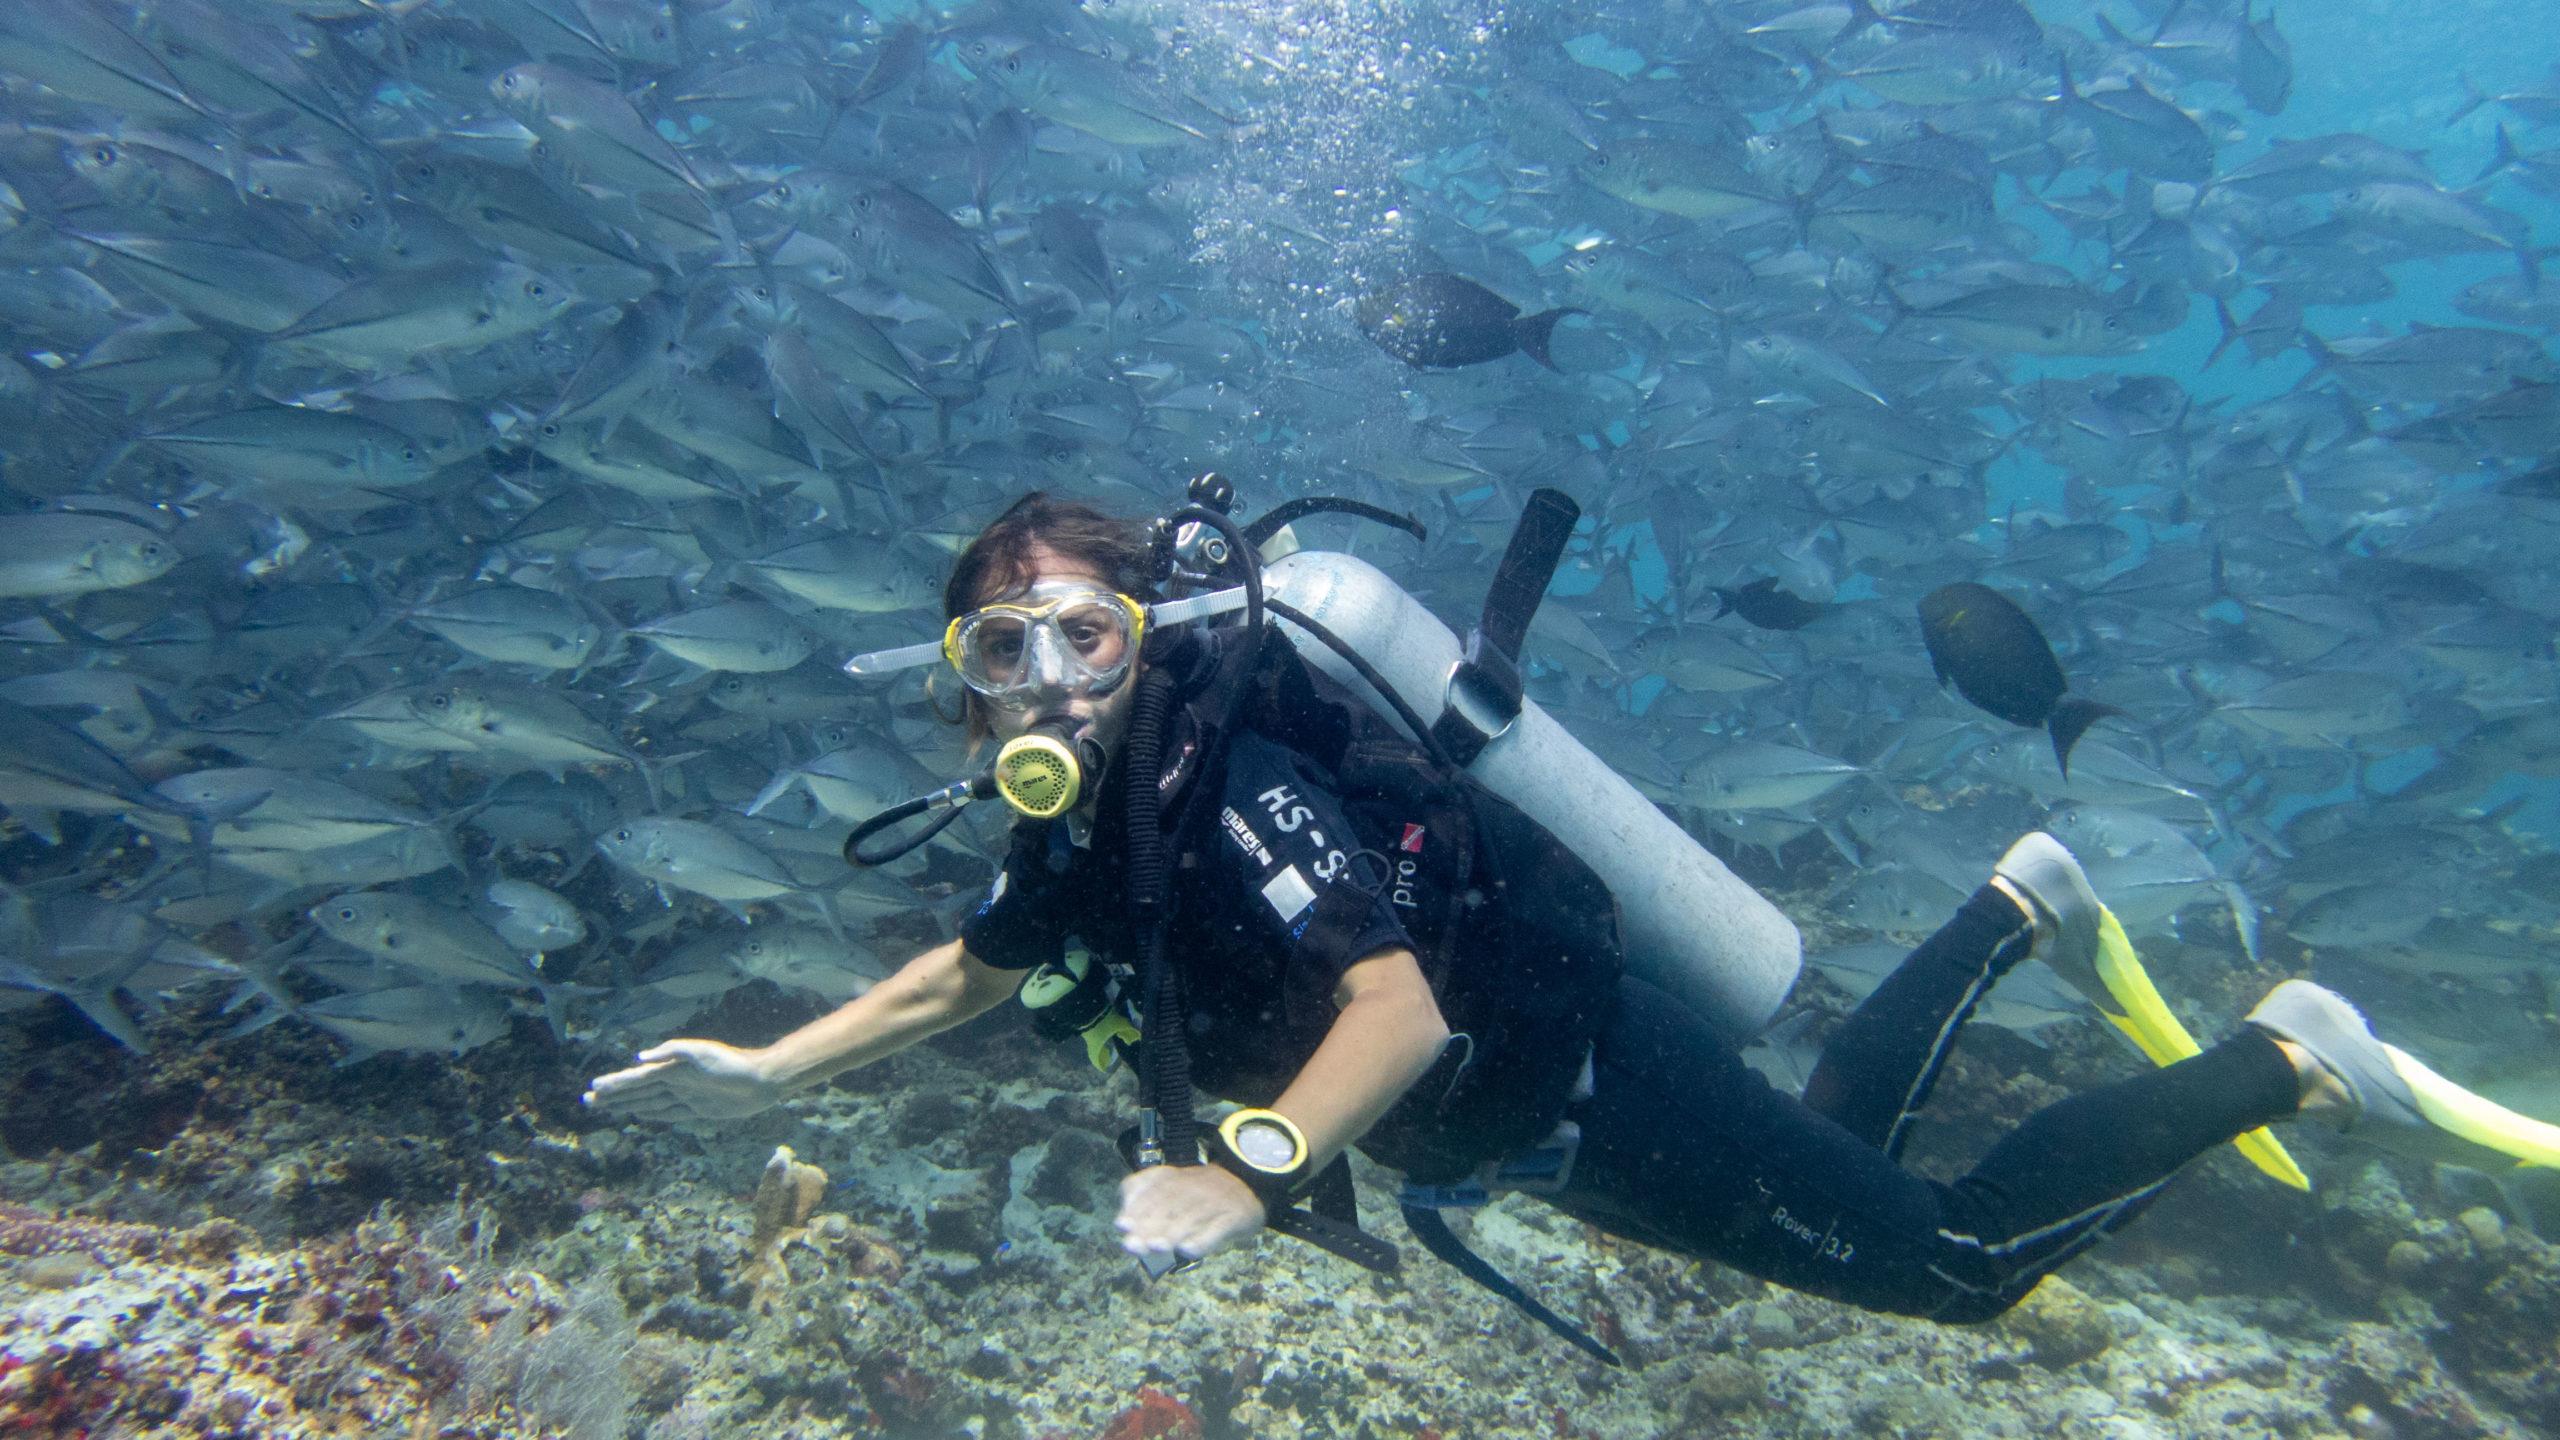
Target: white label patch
1242	834
1289	893
996	892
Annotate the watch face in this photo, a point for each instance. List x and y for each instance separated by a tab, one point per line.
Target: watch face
1265	1146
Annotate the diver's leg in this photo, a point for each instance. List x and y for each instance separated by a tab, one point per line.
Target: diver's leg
1686	1147
1877	1068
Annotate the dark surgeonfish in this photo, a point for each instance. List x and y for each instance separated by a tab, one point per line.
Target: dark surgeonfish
1763	604
1991	651
1441	321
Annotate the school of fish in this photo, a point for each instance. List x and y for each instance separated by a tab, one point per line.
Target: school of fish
452	447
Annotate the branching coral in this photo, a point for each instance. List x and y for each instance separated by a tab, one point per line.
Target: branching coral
786	1196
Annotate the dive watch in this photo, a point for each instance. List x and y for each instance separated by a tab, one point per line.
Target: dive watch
1267	1151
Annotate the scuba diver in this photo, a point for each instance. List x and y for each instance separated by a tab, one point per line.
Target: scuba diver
1298	894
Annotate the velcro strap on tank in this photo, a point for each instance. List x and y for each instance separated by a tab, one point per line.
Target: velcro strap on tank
1483	695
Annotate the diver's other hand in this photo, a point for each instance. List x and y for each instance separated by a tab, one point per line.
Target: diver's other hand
688	1080
1197	1210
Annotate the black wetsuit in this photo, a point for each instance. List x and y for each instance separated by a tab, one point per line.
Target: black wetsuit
1686	1147
1683	1145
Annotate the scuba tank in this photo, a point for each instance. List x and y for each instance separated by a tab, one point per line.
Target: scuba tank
1688	924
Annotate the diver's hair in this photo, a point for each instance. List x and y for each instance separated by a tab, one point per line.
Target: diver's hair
999	562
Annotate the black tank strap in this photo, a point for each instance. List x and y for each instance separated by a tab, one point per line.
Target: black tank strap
1528	567
1484	691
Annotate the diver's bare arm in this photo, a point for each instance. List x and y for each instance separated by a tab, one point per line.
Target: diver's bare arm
1388	1032
928	995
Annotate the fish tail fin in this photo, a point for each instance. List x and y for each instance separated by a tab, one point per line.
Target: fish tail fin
2473	97
256	1020
555	1005
2070	719
2322	357
1534	332
103	1010
2501	157
1899	309
2244	918
2230	330
1862	18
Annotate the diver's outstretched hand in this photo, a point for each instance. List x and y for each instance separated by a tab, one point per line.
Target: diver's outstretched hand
687	1080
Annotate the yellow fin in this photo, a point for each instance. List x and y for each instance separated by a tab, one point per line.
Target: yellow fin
2147	1020
2476	1118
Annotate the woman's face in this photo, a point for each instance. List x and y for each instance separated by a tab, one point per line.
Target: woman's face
1104	719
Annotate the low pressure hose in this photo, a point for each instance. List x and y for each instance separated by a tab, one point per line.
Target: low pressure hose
862	855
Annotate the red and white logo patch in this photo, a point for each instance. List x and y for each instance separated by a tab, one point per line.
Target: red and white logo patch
1411	844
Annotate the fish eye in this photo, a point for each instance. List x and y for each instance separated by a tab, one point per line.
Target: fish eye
762	292
347	912
1013	64
783	192
104	154
409	455
622	834
440	701
536	290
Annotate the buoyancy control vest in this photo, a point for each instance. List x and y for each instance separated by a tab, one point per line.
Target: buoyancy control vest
1516	934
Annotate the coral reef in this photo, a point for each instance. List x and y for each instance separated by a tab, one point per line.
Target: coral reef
2061	1324
389	1329
209	1273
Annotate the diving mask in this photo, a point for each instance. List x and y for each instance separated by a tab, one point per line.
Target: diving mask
1063	639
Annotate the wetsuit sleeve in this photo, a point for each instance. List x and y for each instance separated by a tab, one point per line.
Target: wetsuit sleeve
1302	875
1019	925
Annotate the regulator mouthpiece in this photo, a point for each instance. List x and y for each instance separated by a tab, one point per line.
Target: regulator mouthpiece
1042	773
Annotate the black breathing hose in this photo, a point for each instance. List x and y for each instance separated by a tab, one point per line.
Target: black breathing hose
1164	1068
859	852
